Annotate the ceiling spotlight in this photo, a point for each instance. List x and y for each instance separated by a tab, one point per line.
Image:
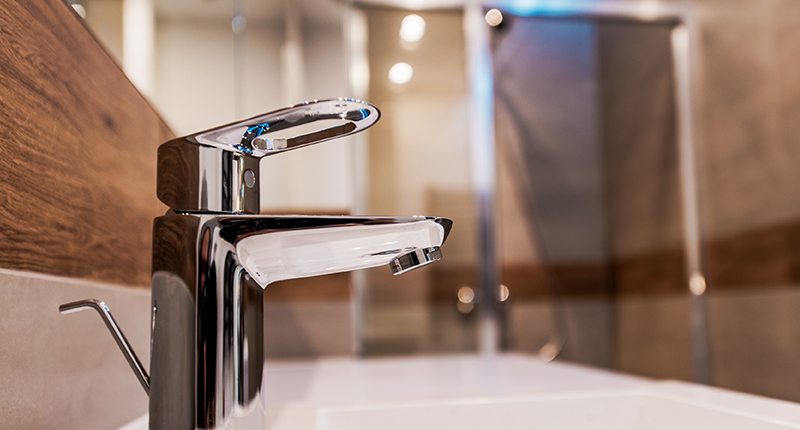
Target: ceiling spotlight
412	28
401	73
494	17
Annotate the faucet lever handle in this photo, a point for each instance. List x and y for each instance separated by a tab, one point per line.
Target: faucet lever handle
218	170
267	134
124	346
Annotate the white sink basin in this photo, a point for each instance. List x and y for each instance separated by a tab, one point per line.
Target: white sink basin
612	411
503	392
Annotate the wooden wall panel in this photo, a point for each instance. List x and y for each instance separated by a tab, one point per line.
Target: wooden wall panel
77	151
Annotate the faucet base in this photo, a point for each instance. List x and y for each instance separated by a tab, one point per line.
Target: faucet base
207	331
209	275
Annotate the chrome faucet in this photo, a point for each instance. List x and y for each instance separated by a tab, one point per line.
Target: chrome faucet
212	259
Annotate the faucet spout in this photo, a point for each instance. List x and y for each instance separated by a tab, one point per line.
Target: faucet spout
273	249
415	259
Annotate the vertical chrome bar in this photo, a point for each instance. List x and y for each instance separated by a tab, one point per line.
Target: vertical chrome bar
482	158
681	50
354	32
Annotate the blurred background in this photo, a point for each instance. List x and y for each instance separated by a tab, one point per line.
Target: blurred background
622	174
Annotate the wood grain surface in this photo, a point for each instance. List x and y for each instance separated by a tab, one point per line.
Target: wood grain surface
77	151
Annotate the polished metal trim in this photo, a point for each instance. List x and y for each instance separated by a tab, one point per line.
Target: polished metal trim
681	39
116	332
491	327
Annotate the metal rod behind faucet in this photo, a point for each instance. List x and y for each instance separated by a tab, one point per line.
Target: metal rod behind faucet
116	332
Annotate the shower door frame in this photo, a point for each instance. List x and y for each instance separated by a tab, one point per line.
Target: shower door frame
683	37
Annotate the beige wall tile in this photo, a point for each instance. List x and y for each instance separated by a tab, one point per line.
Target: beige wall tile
653	337
65	371
588	335
755	341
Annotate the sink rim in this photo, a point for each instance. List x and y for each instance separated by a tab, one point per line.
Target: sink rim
686	394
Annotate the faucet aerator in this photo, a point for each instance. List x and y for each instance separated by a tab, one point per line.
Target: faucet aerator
415	259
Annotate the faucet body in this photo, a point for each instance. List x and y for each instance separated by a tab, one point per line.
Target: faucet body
209	275
207	329
213	256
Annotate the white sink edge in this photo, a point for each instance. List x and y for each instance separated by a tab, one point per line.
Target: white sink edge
327	379
745	405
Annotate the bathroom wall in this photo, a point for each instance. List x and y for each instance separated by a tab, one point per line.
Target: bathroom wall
749	199
552	216
77	174
643	196
747	112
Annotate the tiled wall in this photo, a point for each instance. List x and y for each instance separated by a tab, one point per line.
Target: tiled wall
65	371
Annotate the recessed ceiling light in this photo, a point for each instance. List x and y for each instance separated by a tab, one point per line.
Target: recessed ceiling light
412	28
401	73
494	17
